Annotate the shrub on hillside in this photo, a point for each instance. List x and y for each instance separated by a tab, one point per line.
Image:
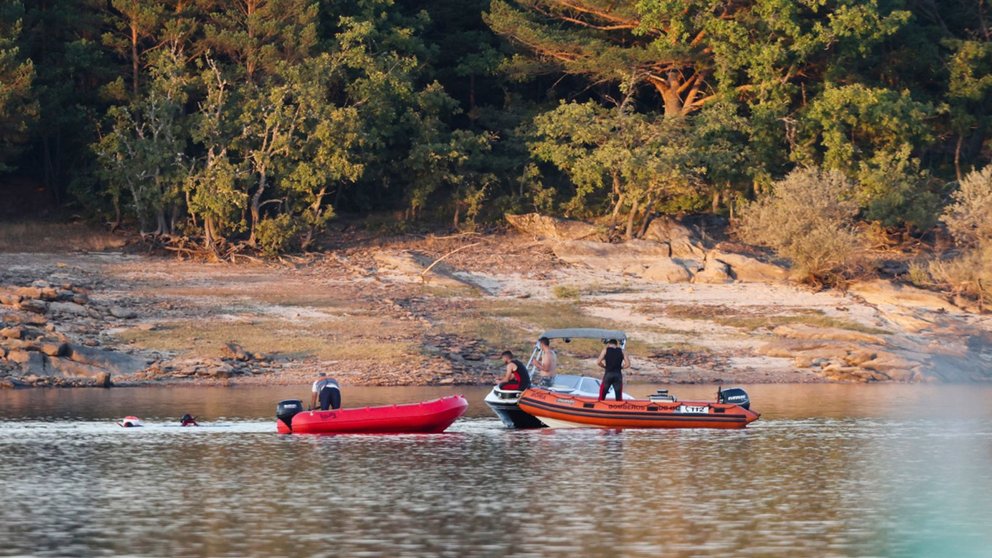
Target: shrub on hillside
809	219
969	217
969	274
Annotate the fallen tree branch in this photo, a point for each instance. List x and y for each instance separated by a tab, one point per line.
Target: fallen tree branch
423	274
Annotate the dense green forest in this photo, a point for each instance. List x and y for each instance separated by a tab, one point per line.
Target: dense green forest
256	120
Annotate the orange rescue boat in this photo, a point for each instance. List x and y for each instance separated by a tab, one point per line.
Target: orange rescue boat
559	410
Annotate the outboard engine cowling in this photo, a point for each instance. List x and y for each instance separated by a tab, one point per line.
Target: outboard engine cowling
286	410
662	395
735	396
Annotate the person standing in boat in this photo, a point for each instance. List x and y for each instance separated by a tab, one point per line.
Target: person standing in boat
327	391
613	359
516	378
547	363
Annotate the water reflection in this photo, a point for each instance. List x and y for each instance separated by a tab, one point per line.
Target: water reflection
828	471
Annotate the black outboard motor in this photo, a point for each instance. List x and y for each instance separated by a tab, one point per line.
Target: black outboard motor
286	410
734	396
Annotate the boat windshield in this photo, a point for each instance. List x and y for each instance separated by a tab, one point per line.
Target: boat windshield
566	382
590	385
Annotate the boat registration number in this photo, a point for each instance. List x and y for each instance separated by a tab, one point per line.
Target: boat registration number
694	409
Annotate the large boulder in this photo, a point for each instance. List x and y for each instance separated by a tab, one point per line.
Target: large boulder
34	305
123	313
14	332
749	270
610	257
9	297
663	270
714	271
109	361
67	308
552	228
30	362
681	242
884	293
72	369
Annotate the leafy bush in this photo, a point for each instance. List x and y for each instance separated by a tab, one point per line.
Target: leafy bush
969	217
277	234
919	274
969	274
809	219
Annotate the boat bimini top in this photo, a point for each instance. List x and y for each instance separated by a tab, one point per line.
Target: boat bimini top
567	334
570	333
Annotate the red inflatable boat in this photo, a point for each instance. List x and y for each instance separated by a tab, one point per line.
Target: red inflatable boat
415	418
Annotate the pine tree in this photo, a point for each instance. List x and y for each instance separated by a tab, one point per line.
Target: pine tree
18	108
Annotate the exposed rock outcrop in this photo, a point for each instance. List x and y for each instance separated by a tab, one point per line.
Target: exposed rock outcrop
846	355
611	257
664	270
34	352
714	271
553	228
749	270
681	241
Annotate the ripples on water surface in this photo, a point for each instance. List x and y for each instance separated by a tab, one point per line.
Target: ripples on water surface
827	471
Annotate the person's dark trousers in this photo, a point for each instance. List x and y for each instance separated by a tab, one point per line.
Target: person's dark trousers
330	398
614	379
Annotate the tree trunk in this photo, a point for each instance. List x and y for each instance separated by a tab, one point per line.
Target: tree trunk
673	103
256	202
957	156
648	215
117	214
208	232
161	224
631	217
616	211
134	58
619	198
669	91
716	201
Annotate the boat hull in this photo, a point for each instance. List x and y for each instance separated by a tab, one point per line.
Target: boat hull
512	416
428	417
569	411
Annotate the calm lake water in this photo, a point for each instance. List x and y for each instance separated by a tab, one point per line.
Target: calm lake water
829	470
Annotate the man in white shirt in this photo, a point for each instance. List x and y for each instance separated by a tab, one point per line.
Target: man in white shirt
327	391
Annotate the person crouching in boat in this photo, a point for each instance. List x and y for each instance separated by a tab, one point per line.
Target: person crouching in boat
516	378
188	420
327	391
613	359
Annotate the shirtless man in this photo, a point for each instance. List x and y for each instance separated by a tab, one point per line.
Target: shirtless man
547	363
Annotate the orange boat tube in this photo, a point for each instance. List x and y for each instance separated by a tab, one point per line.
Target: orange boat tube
559	410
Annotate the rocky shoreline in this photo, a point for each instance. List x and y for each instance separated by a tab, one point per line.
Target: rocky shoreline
388	312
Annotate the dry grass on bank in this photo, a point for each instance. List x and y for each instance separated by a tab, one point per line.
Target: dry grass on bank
294	295
355	340
751	321
45	237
